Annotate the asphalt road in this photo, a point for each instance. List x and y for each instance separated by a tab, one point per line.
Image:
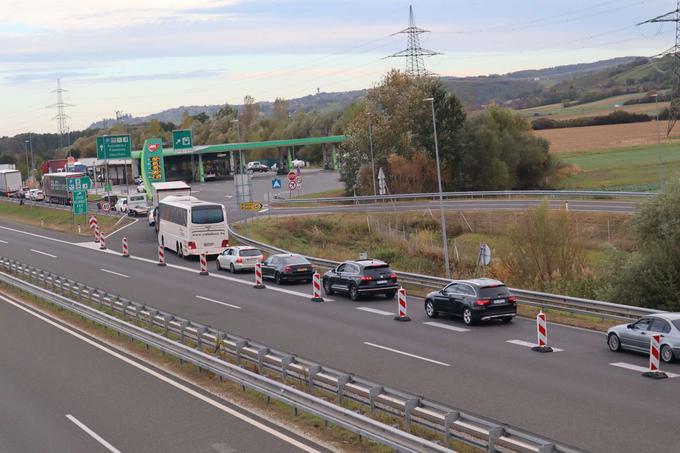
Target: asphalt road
576	396
57	385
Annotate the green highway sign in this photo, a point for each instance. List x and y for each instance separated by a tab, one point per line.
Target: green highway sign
108	187
79	201
114	147
182	139
81	183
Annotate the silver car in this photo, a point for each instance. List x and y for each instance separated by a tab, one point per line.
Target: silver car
636	336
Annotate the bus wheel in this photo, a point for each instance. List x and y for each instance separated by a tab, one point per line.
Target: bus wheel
180	252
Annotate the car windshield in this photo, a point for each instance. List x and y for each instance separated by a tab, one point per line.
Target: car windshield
676	323
376	271
202	215
490	292
250	252
295	259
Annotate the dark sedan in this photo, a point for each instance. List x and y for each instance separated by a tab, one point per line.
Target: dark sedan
287	268
474	300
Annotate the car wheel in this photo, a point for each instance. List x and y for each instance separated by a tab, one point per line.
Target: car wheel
467	317
614	342
390	295
353	292
327	287
232	268
666	353
429	309
217	263
277	278
507	319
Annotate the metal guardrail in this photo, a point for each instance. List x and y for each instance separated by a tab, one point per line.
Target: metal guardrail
575	305
467	194
209	347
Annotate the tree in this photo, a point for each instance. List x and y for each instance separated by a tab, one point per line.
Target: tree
651	277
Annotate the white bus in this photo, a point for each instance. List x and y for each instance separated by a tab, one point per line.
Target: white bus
189	226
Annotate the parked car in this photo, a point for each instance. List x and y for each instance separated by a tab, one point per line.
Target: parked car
636	336
138	211
141	188
125	204
298	163
239	258
360	278
36	195
257	166
474	300
111	199
288	268
22	193
152	216
138	180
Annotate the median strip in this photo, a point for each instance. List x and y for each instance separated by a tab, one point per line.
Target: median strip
408	354
218	302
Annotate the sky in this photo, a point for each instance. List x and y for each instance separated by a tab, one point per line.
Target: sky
144	56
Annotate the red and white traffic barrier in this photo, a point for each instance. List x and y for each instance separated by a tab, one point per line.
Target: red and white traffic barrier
96	234
93	221
542	333
161	255
258	276
403	310
316	285
126	252
654	358
204	264
102	241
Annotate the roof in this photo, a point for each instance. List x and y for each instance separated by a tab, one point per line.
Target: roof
5	170
187	200
482	282
227	147
170	185
69	174
369	262
669	316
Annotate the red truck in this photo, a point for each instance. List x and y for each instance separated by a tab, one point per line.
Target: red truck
53	166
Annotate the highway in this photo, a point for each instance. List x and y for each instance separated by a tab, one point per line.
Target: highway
64	391
576	395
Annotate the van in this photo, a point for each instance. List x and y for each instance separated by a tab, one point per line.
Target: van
124	204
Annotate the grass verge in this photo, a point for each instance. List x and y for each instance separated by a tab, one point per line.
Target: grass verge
57	219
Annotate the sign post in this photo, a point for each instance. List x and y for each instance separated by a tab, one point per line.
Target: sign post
114	147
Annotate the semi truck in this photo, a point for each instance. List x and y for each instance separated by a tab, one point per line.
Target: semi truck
10	182
55	187
165	189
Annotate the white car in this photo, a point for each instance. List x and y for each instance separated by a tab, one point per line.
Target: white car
36	195
239	258
141	188
152	217
297	163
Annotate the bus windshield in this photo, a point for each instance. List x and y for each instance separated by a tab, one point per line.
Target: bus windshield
201	215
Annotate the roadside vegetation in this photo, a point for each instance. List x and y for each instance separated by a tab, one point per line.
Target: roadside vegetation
57	219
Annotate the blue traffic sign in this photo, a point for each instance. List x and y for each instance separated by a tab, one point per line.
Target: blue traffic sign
276	183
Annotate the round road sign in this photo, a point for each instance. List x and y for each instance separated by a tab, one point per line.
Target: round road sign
106	207
291	176
292	185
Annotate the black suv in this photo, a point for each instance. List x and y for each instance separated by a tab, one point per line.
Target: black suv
475	300
361	277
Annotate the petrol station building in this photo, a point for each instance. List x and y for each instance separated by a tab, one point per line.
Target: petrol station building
212	162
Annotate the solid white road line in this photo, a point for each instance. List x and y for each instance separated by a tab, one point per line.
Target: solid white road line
530	345
167	380
446	326
3	242
218	302
121	228
396	351
114	273
43	253
263	210
640	369
92	434
376	311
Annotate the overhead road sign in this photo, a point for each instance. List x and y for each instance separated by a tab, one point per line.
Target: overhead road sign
250	206
182	140
114	147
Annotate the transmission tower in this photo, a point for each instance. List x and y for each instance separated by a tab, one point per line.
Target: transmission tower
61	116
414	53
674	109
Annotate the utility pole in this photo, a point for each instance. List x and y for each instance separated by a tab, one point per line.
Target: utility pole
445	241
414	53
674	108
370	142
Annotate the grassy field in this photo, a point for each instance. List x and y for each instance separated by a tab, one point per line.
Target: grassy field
596	108
56	219
574	139
629	169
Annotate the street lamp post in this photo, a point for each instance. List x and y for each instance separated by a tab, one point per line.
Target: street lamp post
370	143
240	192
441	197
658	143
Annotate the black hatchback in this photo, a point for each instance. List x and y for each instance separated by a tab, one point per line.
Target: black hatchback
474	300
361	277
287	268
